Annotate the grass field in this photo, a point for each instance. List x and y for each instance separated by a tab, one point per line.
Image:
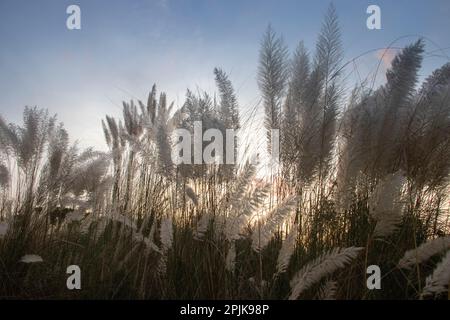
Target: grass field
362	180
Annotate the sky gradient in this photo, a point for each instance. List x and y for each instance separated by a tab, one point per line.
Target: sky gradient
124	47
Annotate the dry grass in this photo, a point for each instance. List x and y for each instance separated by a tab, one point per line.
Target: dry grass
360	182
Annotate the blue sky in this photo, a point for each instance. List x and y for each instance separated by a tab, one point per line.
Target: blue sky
125	46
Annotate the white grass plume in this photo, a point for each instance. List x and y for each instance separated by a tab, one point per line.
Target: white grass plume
386	205
287	249
326	264
242	212
272	77
328	291
149	243
241	185
166	233
259	195
424	252
262	237
202	226
31	258
439	281
234	226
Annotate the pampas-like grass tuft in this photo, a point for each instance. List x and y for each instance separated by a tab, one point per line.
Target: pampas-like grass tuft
263	234
323	266
386	206
424	252
328	291
439	281
132	219
31	258
287	249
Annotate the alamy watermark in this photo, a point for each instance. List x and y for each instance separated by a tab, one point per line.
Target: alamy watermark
73	21
373	22
74	280
191	148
